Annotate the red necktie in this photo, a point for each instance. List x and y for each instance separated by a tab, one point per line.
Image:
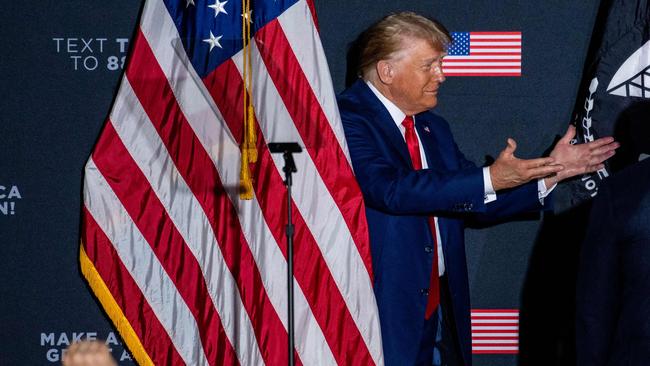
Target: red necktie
414	151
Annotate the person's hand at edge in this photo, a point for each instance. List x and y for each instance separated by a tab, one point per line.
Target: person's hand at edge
580	158
508	171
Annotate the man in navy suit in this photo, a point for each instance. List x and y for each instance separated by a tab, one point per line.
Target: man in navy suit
418	187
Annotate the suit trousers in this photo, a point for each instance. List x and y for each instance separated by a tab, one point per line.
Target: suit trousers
439	343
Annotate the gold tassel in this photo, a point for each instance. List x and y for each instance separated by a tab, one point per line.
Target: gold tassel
245	181
249	140
251	136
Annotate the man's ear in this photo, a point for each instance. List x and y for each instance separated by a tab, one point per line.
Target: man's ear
385	71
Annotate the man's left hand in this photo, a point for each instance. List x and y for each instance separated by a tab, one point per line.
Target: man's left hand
580	158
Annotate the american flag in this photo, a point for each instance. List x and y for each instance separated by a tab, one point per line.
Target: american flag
484	54
495	331
188	272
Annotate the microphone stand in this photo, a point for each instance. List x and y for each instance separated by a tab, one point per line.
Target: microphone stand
287	149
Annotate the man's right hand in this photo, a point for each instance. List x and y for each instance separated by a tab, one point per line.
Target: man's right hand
508	171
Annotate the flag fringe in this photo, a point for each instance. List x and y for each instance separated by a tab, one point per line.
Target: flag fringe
113	310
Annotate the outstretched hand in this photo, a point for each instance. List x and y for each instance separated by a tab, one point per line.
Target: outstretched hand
508	171
580	158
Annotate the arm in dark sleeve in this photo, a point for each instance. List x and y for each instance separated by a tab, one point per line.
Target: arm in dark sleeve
509	202
395	188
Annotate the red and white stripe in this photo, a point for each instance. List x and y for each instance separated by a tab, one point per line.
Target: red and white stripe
490	54
162	211
495	331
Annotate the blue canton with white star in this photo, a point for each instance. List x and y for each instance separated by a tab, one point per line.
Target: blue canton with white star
211	30
460	44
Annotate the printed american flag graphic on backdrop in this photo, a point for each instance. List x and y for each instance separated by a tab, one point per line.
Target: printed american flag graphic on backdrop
495	331
484	54
188	272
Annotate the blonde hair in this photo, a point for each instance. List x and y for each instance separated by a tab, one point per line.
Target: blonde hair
386	37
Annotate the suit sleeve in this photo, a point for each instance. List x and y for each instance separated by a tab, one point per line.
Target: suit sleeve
509	202
395	188
597	286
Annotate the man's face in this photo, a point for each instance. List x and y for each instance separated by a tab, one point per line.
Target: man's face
416	75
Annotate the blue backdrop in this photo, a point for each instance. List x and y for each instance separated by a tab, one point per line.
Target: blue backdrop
62	62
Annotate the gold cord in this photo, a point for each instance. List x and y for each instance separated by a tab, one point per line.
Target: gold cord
249	140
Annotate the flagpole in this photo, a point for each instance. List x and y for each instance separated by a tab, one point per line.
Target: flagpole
287	149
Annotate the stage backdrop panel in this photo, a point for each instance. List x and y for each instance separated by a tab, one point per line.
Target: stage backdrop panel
61	64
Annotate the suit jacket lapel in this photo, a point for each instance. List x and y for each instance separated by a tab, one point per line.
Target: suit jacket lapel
427	133
385	122
428	138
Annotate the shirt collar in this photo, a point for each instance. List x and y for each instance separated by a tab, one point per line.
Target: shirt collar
393	110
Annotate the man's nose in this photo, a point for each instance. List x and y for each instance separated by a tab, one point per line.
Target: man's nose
441	76
438	74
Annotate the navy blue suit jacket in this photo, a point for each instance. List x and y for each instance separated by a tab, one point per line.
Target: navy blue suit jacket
613	293
398	202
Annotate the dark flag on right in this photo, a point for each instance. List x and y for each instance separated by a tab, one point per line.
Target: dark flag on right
614	96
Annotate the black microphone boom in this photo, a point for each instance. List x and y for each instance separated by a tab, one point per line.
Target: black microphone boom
284	147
